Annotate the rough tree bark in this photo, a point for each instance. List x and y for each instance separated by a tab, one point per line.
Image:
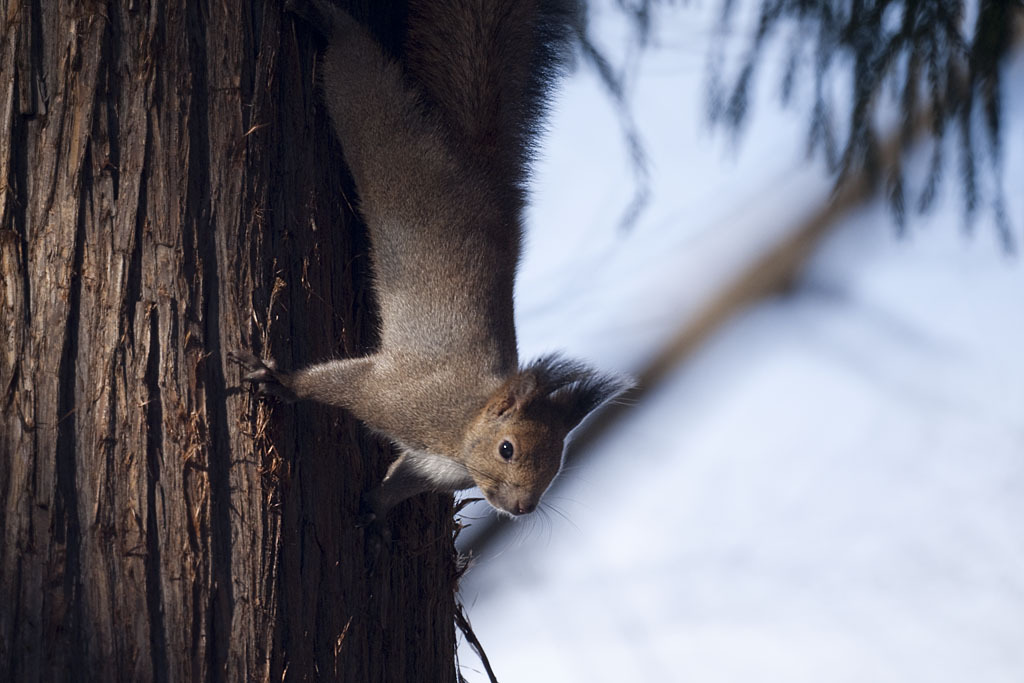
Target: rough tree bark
170	191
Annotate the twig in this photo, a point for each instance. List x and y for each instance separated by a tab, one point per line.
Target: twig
463	623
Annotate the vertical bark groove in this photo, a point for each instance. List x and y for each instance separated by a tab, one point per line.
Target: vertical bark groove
65	565
154	437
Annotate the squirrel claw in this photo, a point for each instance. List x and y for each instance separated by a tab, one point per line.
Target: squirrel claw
377	543
377	534
368	513
261	375
264	374
318	15
365	519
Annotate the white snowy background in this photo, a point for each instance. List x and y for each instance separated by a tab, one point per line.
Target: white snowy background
832	488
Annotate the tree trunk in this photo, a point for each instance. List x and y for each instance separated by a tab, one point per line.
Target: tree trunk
169	192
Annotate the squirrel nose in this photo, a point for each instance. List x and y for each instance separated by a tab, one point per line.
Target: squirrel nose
524	507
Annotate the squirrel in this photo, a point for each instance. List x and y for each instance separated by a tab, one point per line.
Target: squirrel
438	147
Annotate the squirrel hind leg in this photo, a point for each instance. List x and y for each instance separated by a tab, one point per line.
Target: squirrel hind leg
325	18
319	15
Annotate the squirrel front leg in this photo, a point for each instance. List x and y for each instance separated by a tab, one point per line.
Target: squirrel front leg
400	482
336	382
415	472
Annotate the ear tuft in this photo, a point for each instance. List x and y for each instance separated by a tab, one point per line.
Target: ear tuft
573	388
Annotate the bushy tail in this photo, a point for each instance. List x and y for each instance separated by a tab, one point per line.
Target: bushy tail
486	67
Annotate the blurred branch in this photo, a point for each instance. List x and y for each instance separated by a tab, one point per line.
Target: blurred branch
639	13
913	50
916	49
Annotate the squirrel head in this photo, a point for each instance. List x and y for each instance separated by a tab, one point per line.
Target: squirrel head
513	449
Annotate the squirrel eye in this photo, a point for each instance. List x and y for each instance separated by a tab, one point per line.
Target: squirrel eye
506	450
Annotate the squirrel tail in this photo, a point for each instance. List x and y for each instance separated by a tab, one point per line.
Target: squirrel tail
486	67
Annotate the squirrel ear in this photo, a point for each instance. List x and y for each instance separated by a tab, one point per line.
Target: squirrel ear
515	392
589	391
572	388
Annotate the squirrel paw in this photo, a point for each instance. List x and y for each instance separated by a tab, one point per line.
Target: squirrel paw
321	16
376	534
264	374
365	519
377	543
314	13
369	513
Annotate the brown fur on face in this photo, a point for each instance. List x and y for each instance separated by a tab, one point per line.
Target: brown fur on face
530	415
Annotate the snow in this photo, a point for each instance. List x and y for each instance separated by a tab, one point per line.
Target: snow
832	488
716	205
